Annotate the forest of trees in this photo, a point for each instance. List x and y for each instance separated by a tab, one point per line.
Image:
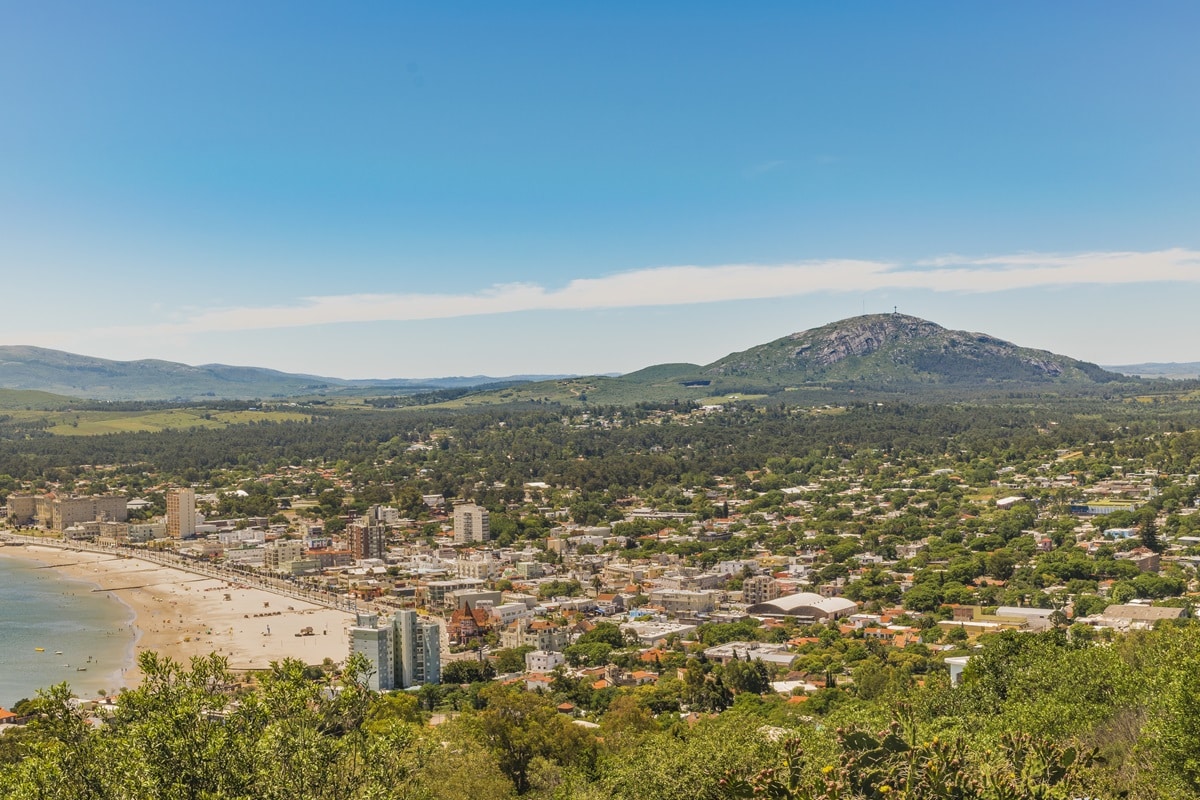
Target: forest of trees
1038	716
515	445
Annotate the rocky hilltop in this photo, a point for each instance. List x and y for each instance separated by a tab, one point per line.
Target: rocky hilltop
893	348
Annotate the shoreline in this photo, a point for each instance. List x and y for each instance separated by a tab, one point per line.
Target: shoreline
115	662
181	615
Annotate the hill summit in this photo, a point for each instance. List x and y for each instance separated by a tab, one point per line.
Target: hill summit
897	348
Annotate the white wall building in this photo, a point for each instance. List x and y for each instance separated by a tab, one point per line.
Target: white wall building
543	660
405	651
471	524
279	554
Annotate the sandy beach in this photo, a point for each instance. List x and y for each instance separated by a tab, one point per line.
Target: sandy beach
180	614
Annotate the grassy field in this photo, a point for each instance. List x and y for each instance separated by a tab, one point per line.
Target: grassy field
95	423
1182	396
27	400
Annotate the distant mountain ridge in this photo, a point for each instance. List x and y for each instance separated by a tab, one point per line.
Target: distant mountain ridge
887	354
59	372
1172	370
882	351
897	348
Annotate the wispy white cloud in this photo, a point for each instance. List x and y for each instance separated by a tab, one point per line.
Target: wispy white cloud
684	285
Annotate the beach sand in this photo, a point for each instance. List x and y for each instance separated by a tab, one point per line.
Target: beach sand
180	614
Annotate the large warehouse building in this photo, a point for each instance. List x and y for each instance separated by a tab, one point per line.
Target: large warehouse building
805	605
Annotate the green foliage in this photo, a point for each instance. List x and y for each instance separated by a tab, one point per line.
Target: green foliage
556	588
607	632
687	763
391	712
520	727
746	676
703	687
185	735
588	654
1024	724
894	763
512	659
712	634
469	671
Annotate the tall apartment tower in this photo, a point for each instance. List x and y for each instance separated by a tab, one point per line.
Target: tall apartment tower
368	539
419	649
471	524
181	513
406	651
368	534
378	645
759	589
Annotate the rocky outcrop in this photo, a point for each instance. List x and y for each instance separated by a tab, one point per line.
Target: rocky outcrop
860	337
897	348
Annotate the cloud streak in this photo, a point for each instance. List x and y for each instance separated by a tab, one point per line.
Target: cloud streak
688	285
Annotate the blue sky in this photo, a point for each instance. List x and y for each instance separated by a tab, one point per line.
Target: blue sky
416	189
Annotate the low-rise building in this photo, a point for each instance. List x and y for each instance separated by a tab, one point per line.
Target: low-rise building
652	633
1133	617
759	589
681	601
766	652
59	513
482	567
539	634
543	660
805	605
279	554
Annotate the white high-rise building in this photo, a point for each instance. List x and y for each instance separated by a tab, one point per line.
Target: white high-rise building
420	642
377	644
471	524
406	651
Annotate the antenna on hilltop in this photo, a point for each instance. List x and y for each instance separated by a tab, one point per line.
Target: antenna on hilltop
895	310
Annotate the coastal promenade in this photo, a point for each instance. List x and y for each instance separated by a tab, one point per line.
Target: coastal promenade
286	588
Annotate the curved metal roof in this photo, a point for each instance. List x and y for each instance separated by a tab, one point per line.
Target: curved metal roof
792	603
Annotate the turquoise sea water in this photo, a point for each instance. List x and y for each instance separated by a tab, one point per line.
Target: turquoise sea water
41	608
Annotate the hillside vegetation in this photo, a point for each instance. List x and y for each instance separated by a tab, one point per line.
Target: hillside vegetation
881	355
886	353
1039	717
896	348
44	370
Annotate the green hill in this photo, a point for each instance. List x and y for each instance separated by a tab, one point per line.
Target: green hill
886	352
899	349
879	352
40	369
663	372
28	399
